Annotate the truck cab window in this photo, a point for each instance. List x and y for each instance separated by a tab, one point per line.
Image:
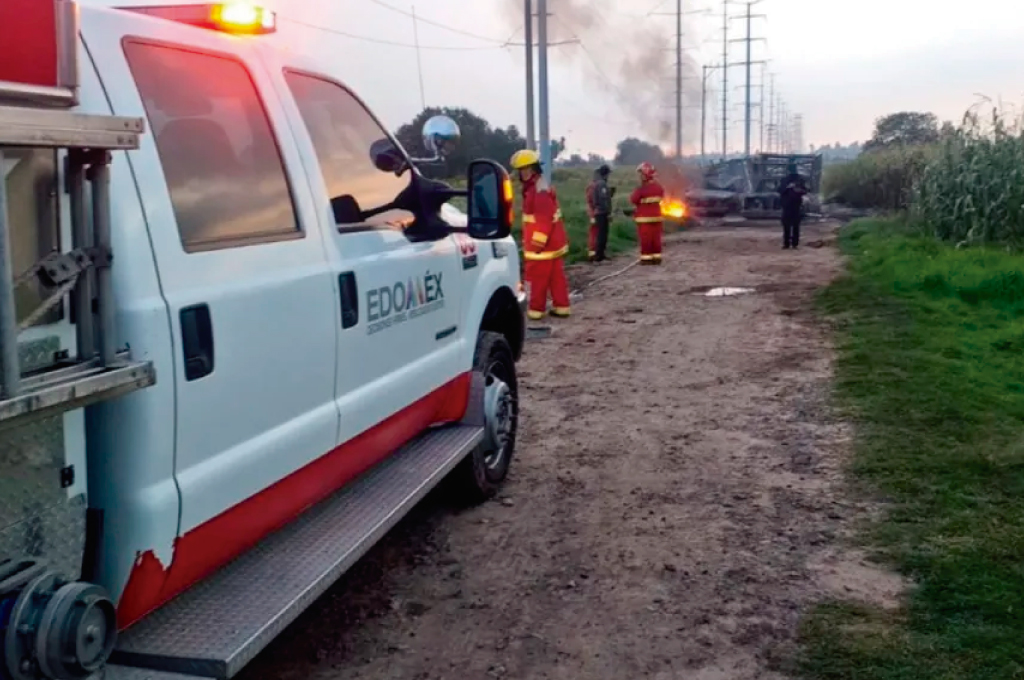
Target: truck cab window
221	160
343	133
31	178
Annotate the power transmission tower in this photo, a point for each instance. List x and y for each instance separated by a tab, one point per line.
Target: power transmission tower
679	81
772	129
679	50
725	79
706	70
749	40
798	133
783	127
761	108
531	139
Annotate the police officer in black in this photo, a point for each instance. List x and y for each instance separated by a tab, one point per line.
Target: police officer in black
792	190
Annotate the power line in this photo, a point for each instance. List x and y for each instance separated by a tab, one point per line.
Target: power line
590	56
419	60
438	24
393	43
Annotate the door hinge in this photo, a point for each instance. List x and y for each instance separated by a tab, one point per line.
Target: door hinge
67	476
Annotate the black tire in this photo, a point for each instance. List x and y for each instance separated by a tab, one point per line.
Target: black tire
480	475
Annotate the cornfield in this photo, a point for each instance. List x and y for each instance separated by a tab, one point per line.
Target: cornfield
882	180
972	189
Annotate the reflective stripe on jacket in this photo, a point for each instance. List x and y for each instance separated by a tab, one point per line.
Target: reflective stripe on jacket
543	229
647	199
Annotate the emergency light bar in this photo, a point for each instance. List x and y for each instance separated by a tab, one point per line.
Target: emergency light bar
228	17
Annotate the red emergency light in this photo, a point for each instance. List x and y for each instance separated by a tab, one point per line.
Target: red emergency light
240	18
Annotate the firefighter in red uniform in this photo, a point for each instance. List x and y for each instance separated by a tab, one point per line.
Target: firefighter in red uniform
544	241
646	200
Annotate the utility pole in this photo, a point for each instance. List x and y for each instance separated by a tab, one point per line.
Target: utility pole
771	114
531	136
542	77
419	60
725	79
679	81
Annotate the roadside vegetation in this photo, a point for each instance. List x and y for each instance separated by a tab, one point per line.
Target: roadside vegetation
963	184
930	332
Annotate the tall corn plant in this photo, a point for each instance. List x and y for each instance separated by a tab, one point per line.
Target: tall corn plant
972	190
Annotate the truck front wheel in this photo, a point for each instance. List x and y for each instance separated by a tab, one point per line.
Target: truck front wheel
478	477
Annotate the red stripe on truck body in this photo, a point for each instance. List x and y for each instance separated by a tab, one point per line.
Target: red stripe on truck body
211	545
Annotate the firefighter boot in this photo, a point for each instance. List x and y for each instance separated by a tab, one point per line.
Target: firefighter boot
559	290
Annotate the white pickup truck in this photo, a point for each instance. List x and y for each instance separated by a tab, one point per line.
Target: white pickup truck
240	336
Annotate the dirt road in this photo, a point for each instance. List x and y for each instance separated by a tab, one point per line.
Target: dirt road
675	502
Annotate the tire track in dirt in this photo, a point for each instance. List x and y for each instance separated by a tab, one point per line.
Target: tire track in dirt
676	500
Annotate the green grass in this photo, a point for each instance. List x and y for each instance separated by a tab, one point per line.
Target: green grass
931	369
571	186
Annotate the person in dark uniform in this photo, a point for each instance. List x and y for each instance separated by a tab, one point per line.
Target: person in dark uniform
792	190
599	204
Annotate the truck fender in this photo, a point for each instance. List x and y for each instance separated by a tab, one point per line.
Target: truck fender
494	305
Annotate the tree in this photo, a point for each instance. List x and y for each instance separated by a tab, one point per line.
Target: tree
947	131
906	128
633	151
479	140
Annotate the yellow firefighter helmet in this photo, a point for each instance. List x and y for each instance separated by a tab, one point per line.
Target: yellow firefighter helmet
524	158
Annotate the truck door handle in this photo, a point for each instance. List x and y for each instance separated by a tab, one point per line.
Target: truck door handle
349	293
197	341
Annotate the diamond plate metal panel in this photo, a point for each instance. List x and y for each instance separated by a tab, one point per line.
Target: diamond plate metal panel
217	627
36	516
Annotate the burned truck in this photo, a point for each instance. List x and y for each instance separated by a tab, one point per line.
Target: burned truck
749	186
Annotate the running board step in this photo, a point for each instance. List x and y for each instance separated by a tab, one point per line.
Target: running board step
218	626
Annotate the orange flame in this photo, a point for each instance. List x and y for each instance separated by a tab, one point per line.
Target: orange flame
673	208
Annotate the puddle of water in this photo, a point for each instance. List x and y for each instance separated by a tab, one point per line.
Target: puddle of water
725	291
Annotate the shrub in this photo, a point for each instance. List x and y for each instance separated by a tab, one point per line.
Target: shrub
880	180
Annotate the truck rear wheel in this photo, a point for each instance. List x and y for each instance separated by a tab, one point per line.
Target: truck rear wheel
478	477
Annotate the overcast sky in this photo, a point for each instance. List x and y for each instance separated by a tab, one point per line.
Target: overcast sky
839	63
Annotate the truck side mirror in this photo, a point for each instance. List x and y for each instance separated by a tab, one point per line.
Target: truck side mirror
490	200
441	135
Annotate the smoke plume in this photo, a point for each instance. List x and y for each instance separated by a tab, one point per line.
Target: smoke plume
628	57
